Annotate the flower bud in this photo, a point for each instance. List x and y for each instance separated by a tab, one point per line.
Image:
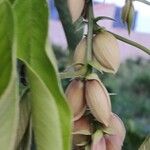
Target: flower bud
80	140
98	99
116	128
130	18
81	131
76	8
98	141
128	14
80	52
113	142
82	126
75	98
106	51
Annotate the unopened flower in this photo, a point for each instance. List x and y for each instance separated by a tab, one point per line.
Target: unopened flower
98	141
76	8
98	99
81	131
116	127
75	98
80	52
113	142
82	126
128	14
106	52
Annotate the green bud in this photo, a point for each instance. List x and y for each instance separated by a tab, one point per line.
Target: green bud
128	14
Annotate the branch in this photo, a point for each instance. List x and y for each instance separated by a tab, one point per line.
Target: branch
135	44
72	37
143	1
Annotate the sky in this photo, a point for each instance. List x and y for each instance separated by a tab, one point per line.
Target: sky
143	20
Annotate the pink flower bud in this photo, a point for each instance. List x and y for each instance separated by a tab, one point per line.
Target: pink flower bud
98	141
75	98
81	131
98	99
106	52
76	8
116	128
82	126
113	142
79	54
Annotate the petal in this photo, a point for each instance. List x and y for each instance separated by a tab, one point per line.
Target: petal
98	100
75	98
116	127
82	126
98	141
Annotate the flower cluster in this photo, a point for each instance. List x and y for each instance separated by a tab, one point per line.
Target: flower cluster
94	122
106	53
95	126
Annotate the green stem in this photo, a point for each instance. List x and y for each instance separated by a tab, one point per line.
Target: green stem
69	28
143	1
135	44
90	33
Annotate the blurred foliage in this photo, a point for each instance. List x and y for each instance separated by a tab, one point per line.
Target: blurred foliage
132	100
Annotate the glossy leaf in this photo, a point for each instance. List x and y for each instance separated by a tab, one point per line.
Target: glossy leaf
9	109
32	29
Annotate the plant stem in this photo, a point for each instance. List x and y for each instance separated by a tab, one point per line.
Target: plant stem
90	34
69	29
143	1
135	44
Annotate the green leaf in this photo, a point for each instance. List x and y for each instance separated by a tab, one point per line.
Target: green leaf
9	104
45	115
24	118
32	30
27	139
6	32
146	144
12	1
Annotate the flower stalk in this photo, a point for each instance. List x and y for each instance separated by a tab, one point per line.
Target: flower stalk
135	44
89	35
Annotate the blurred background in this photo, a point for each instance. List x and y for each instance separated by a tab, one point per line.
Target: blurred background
132	82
